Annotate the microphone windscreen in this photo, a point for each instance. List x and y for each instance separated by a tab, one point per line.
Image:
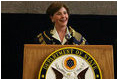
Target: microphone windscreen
67	36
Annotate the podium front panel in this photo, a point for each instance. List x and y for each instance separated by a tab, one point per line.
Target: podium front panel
34	56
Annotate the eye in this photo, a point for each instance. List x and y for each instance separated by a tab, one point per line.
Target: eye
65	12
59	13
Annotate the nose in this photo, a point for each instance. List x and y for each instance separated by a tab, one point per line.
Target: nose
63	15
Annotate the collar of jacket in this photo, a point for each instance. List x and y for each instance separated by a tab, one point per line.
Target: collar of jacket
48	34
69	28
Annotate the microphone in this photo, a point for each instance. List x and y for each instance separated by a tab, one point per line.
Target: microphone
68	38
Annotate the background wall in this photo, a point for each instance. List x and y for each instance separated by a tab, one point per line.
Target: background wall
76	7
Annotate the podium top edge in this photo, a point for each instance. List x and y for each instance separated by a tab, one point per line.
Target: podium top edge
67	45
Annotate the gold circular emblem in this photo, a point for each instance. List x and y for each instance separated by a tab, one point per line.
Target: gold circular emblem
70	63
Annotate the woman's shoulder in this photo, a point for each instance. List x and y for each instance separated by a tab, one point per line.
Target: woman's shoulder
74	33
42	37
45	33
78	36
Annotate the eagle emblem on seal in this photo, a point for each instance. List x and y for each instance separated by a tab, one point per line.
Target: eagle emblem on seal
70	63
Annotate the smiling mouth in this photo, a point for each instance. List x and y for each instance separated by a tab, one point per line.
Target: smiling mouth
63	20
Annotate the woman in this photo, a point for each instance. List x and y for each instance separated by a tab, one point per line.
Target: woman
60	34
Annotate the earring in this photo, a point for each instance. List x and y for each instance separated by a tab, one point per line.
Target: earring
53	21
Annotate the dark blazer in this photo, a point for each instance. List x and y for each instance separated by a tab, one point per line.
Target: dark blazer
46	38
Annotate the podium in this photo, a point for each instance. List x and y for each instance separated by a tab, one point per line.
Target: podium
35	54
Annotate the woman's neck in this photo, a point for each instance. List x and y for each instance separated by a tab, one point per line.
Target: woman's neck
61	28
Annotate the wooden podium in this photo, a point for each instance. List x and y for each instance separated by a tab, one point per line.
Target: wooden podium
35	54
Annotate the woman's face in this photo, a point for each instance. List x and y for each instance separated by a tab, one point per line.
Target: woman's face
60	18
